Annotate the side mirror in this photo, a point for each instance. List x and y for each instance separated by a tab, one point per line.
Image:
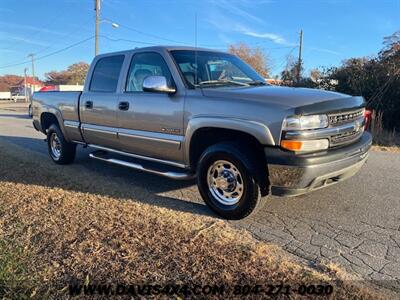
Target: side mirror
157	84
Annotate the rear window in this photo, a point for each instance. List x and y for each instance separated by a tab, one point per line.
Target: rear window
106	73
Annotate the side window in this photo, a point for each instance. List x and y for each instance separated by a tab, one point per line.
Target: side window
106	73
144	65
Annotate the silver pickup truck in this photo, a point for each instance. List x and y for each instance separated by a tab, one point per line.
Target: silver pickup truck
185	112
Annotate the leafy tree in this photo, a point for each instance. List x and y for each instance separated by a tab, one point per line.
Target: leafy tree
78	72
315	75
8	81
255	57
377	79
75	74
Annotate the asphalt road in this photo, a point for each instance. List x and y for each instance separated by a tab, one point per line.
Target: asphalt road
355	224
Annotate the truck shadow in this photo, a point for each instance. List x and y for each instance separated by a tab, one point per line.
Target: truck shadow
15	116
33	166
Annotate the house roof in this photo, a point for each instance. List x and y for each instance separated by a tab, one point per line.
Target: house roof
30	81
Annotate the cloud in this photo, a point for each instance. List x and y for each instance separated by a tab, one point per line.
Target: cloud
27	41
29	27
276	38
238	18
235	9
9	38
273	37
324	50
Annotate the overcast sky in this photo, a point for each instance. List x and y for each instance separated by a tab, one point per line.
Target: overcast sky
333	29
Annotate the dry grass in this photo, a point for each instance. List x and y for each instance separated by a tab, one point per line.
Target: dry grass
70	234
392	149
381	136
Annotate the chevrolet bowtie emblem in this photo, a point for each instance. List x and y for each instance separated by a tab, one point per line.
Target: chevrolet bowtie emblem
357	126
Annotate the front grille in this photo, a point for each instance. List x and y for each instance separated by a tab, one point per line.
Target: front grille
346	117
352	118
347	137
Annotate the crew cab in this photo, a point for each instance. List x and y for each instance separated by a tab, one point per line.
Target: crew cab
184	113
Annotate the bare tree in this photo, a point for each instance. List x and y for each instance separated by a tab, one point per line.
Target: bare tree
289	75
255	57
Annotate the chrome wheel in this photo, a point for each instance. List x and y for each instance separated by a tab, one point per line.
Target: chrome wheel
55	146
225	182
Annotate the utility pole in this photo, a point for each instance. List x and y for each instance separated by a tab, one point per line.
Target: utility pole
300	60
25	89
32	56
96	38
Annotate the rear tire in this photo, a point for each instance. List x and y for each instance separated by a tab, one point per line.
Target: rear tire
61	152
227	180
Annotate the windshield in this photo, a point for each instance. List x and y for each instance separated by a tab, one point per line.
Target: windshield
212	69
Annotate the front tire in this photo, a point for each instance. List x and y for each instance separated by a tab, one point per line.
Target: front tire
61	152
30	111
227	180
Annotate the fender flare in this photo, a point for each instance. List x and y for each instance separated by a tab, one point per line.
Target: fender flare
57	113
256	129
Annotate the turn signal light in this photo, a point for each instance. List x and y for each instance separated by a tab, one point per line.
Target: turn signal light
305	146
291	145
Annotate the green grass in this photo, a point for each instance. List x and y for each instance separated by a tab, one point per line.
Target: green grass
16	280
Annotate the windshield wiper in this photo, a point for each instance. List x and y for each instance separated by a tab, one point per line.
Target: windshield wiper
257	82
222	82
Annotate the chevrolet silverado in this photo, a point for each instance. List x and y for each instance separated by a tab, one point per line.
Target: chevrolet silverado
185	113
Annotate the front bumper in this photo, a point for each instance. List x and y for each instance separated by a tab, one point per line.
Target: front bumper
292	175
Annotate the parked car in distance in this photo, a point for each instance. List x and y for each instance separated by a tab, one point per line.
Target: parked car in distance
185	113
5	95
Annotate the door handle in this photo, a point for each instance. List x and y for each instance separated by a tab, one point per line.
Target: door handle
123	105
89	104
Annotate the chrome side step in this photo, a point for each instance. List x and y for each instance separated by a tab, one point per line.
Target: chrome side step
169	174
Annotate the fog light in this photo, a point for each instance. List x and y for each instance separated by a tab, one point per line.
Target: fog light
305	146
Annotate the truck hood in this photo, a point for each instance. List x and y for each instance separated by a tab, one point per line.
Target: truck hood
282	96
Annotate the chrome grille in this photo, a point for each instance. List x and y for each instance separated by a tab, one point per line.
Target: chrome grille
355	118
347	137
346	117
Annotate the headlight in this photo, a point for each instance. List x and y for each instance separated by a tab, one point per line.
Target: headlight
305	122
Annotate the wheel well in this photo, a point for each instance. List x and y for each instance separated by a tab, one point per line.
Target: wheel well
205	137
46	120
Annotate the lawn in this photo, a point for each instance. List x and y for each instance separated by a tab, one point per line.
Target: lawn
57	227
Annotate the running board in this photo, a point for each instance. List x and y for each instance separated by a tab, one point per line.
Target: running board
100	155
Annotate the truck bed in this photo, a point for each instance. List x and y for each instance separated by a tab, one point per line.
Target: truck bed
64	106
66	103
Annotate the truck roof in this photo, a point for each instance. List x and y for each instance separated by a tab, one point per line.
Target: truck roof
158	48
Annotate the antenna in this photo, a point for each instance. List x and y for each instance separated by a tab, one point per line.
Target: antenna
195	45
195	29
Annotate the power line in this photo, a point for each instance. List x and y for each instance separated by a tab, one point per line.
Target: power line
50	54
150	34
58	39
189	44
127	40
37	31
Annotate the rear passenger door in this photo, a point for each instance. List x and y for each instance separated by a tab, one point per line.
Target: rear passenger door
98	104
151	124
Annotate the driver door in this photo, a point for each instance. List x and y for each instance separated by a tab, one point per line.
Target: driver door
150	124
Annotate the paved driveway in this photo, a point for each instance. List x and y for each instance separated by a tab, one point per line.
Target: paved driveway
355	224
